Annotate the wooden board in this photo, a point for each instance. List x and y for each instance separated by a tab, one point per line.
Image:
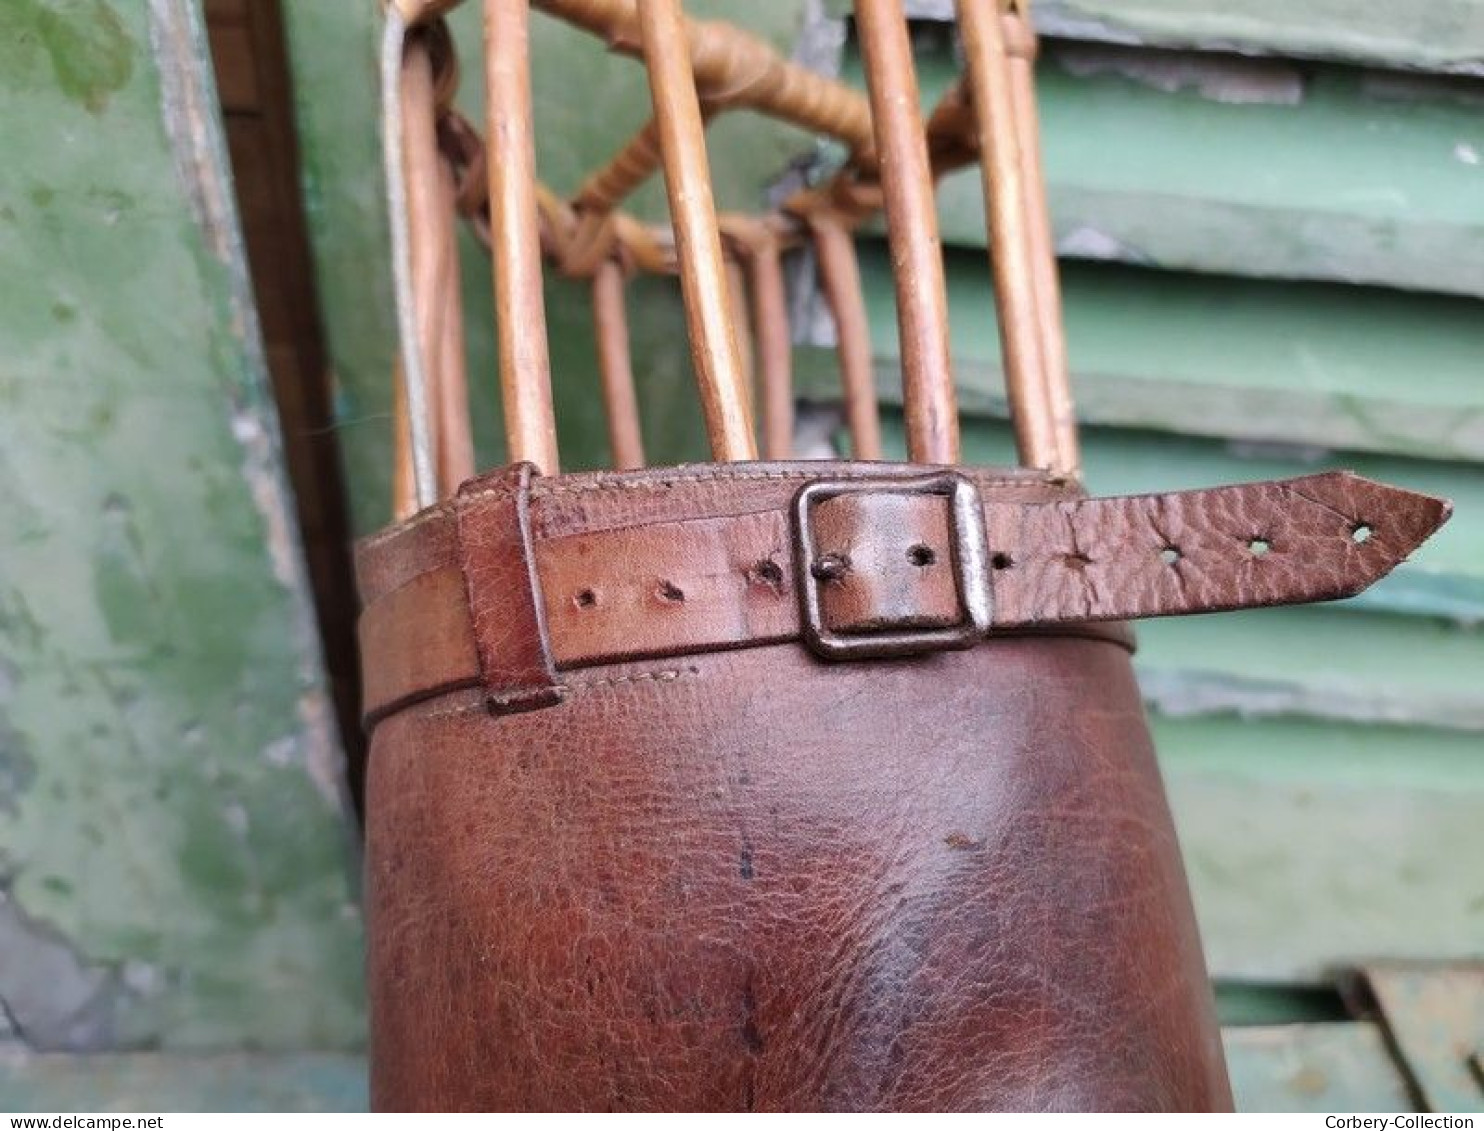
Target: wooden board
1434	35
1209	163
1190	163
1336	367
1329	1068
1313	845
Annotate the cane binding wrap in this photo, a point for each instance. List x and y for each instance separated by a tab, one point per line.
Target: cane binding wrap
784	784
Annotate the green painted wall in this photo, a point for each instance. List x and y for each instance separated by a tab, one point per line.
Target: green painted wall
175	865
1321	365
1196	162
1430	35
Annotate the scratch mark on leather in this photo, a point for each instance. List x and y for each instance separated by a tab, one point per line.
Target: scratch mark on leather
539	488
667	675
1347	518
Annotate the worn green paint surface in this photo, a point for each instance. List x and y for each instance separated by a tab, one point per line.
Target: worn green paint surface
1222	173
1431	35
1336	1067
1353	368
173	850
1313	844
586	99
1436	35
1208	163
154	1082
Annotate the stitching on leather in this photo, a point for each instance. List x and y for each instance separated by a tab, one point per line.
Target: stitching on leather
659	675
442	510
663	675
675	481
538	488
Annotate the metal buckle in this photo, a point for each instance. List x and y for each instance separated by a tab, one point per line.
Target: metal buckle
970	568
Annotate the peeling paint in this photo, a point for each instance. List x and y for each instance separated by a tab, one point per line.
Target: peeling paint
17	767
1230	79
323	757
1087	242
54	998
88	52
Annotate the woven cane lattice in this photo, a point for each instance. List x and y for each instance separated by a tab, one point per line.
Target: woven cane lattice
729	265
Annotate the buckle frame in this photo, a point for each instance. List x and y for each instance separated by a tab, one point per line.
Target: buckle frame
969	551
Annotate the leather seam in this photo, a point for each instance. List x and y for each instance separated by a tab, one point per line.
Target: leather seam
441	510
539	489
657	675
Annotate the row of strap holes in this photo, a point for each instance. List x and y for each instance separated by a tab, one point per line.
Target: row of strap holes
1360	534
770	573
767	571
666	591
923	556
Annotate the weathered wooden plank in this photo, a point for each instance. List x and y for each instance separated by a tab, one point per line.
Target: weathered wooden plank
1433	1015
1334	1067
1209	163
1313	845
1185	163
173	864
1350	368
1434	35
1319	661
156	1082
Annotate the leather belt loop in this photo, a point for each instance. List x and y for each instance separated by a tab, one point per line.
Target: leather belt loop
504	592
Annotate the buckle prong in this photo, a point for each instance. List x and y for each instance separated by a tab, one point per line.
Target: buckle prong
969	550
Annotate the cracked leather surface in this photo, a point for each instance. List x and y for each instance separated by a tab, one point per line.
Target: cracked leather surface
757	881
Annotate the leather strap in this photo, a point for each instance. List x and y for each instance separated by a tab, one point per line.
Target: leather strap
636	569
502	592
